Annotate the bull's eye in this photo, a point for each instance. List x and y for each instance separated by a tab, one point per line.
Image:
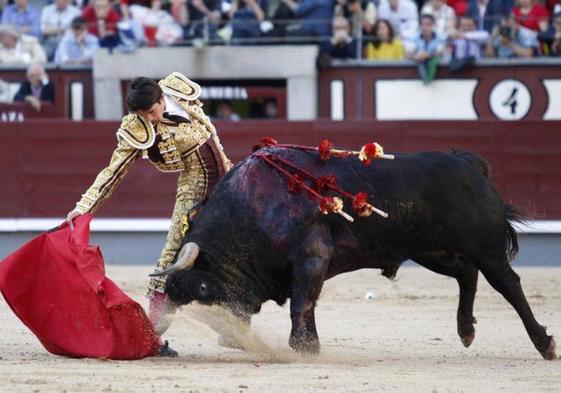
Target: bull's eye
203	289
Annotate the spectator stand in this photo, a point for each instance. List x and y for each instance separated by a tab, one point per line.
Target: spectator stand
201	23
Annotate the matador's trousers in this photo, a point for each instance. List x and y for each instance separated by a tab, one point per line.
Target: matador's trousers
203	169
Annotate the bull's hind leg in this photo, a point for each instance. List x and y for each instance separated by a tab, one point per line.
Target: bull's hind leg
456	266
501	277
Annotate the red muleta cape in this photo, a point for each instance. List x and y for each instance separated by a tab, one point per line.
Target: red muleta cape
56	285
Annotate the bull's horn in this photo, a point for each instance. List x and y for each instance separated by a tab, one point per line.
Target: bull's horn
185	260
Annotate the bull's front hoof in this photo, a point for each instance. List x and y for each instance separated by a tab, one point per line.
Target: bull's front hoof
549	353
467	340
466	331
300	344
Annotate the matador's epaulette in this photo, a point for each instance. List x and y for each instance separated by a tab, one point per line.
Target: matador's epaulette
178	85
136	131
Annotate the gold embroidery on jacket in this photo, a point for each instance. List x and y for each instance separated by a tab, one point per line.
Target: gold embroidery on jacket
106	181
192	186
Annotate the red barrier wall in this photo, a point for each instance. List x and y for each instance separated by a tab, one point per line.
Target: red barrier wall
45	167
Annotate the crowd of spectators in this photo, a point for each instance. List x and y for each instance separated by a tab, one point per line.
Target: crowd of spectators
70	31
460	31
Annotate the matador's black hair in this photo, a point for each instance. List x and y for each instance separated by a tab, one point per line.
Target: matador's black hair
143	93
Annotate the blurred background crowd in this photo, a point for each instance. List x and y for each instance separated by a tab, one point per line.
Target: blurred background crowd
429	32
461	31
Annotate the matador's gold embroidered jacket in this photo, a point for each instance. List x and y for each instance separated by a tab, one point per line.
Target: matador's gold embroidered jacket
171	147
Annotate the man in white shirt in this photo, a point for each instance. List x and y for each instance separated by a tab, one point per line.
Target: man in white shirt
444	16
468	41
402	15
77	46
19	49
55	20
466	44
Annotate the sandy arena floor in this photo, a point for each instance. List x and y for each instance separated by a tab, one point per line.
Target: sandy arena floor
403	340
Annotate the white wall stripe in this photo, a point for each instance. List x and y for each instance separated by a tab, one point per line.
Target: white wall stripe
337	100
98	225
77	100
162	225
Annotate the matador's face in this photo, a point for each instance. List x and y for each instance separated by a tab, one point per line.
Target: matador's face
155	113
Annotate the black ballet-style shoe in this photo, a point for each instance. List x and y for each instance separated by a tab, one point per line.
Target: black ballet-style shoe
166	351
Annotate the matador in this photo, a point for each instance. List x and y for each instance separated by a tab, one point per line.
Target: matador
166	125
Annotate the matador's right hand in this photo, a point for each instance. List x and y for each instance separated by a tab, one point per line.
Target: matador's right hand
72	215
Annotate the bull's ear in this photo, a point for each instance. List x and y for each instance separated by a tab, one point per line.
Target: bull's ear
185	260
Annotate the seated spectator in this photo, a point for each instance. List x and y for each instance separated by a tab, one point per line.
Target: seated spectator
403	16
225	111
148	26
178	10
132	34
460	7
201	13
246	16
531	15
18	49
487	13
551	39
278	13
271	110
102	22
553	6
37	88
352	10
55	20
370	14
78	45
510	40
356	16
444	16
315	17
124	5
384	46
466	44
150	15
428	49
23	17
341	45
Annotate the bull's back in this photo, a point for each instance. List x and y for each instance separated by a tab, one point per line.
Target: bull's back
429	197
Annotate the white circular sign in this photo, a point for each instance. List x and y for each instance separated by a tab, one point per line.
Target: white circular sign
510	99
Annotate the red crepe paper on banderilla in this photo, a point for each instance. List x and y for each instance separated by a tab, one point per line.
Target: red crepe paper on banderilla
297	178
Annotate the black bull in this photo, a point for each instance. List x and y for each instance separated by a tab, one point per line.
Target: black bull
256	241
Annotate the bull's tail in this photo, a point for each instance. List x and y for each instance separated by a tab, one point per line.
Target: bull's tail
473	159
512	214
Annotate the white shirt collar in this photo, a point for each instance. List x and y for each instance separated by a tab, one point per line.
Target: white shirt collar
173	108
